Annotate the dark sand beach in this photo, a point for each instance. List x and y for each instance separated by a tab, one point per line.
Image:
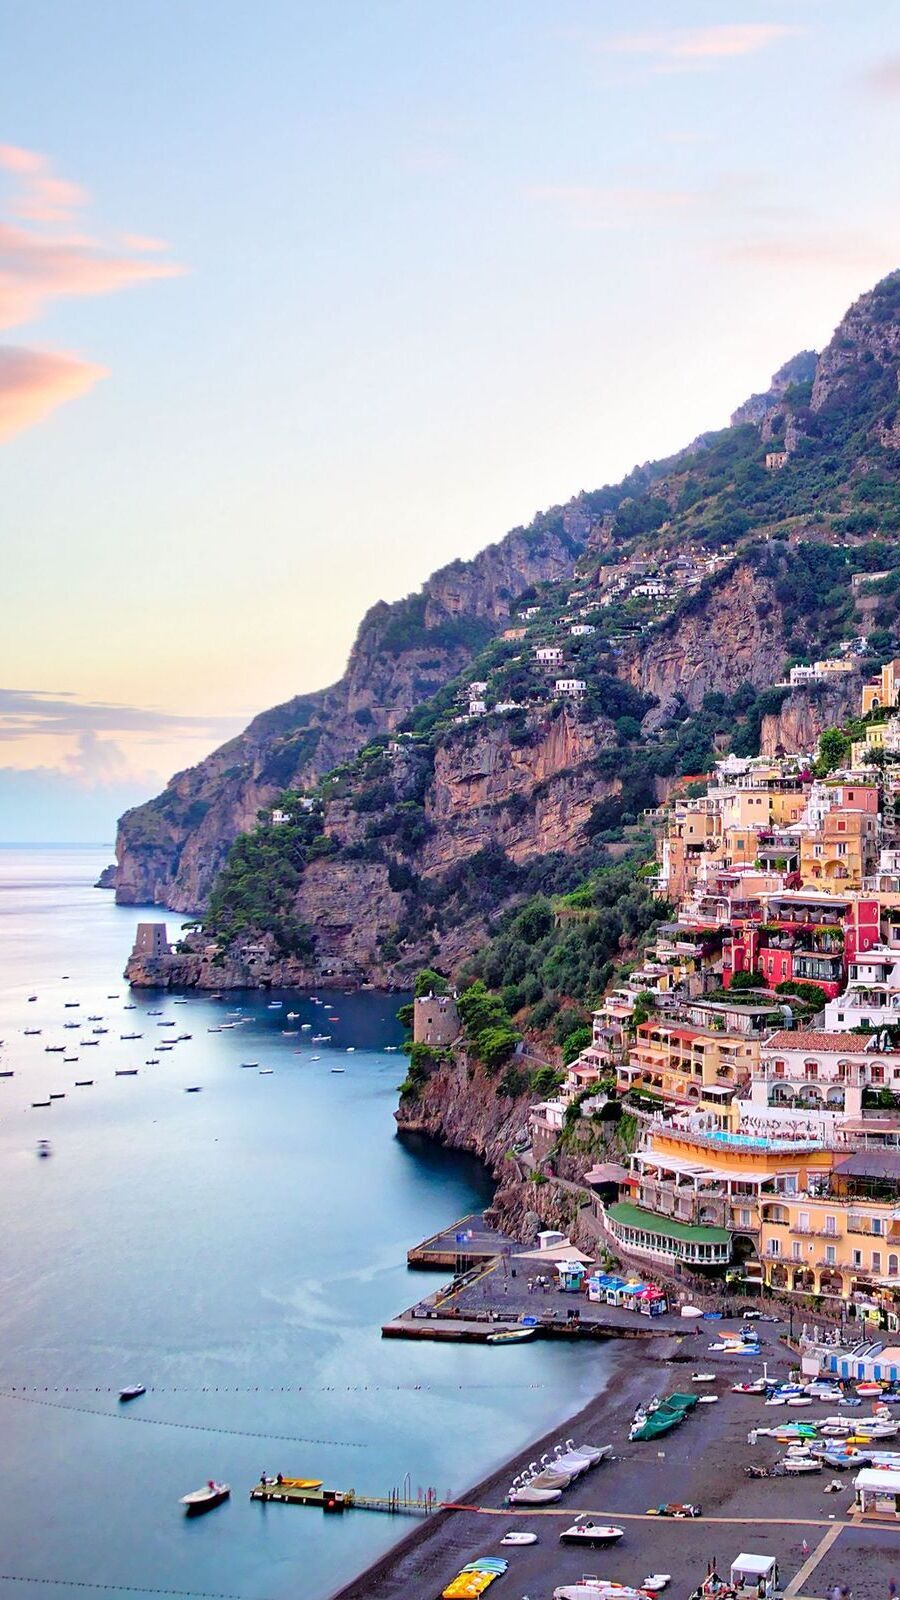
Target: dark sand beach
702	1461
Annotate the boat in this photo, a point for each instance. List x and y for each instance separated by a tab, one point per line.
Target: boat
550	1478
515	1537
40	1105
180	1000
796	1464
126	1072
707	1399
679	1509
130	1036
305	1027
321	1038
152	1061
7	1073
266	1072
130	1007
214	1030
183	1036
84	1083
96	1017
594	1452
585	1531
44	1148
193	1088
758	1386
249	1063
656	1582
341	1069
868	1389
54	1049
132	1391
703	1377
590	1588
508	1335
204	1499
71	1024
800	1400
32	998
293	1016
351	1049
525	1495
70	1005
275	1005
31	1030
83	1043
390	1049
60	1095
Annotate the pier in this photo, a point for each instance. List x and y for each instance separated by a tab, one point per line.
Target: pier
498	1284
311	1492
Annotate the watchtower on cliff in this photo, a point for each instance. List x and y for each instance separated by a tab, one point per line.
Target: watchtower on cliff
435	1020
150	941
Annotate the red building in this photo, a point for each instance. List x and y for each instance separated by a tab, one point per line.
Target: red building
807	937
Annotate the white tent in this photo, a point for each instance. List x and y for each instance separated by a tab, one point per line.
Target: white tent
878	1490
754	1572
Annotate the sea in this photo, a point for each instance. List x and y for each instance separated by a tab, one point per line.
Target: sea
236	1250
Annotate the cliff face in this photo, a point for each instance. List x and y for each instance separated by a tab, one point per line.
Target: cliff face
170	850
736	635
806	713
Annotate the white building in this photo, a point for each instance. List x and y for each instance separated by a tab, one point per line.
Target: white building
549	655
575	687
478	689
872	995
477	708
821	1071
279	816
580	630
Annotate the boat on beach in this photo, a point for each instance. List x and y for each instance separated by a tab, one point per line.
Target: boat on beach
585	1531
526	1495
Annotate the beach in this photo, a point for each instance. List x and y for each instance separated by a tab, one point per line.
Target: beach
701	1462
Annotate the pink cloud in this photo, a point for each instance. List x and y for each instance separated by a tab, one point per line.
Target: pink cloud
35	270
46	256
701	46
884	76
143	241
34	382
597	206
43	197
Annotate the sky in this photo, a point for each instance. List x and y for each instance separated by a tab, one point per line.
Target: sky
300	301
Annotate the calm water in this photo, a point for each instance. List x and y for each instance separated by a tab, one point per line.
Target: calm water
237	1250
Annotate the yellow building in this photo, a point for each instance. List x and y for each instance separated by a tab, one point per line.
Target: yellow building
840	1235
690	1066
884	689
698	1178
843	850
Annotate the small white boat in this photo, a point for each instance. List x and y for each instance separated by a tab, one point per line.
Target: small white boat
549	1478
514	1537
132	1391
703	1377
293	1015
266	1072
507	1335
351	1049
306	1027
525	1495
707	1399
801	1464
204	1499
586	1531
799	1400
340	1069
656	1582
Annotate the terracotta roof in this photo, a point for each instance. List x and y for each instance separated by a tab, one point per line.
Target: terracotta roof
852	1044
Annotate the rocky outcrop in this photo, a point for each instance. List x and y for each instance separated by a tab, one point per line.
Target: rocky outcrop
806	713
868	334
107	878
531	798
714	643
800	369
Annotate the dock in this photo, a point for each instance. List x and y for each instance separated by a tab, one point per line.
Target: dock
311	1492
498	1283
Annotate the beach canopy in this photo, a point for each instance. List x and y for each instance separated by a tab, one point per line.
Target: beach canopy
748	1566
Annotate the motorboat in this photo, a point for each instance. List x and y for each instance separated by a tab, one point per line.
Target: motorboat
70	1005
707	1399
84	1083
214	1030
132	1391
305	1027
193	1088
126	1036
54	1049
204	1499
703	1377
800	1400
515	1537
249	1063
585	1531
266	1072
526	1495
31	999
868	1389
275	1005
590	1588
321	1038
44	1148
758	1386
876	1428
338	1069
804	1463
71	1024
28	1031
292	1016
508	1335
656	1582
126	1072
60	1095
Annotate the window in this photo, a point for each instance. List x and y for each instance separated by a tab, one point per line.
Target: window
797	1250
803	1222
876	1260
830	1255
830	1225
876	1224
892	1267
744	1217
857	1258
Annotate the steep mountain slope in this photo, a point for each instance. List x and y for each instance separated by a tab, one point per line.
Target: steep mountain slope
668	604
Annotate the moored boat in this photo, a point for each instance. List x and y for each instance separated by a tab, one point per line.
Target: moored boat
508	1335
132	1391
204	1499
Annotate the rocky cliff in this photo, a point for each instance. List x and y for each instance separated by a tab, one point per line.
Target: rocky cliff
665	602
806	713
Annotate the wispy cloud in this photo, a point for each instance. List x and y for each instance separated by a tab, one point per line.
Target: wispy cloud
46	256
815	249
684	49
598	206
25	713
34	382
884	77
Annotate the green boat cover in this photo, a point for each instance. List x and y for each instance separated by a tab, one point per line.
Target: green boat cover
684	1402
